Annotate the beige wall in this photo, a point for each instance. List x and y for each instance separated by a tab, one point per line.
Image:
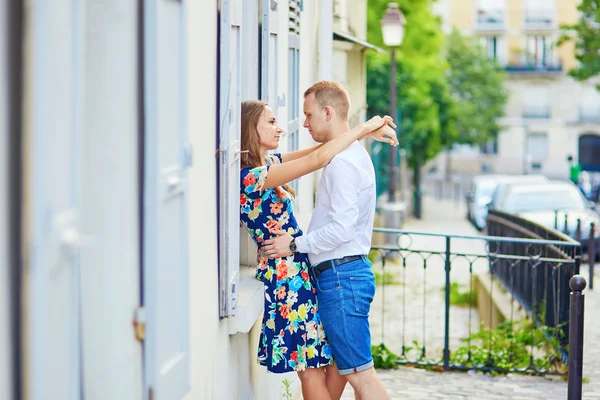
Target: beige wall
567	14
462	14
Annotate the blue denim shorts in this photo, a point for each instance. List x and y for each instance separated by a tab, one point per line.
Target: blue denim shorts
344	296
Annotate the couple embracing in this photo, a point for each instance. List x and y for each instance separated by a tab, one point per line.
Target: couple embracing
318	284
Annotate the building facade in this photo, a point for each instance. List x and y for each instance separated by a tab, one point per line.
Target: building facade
124	273
549	115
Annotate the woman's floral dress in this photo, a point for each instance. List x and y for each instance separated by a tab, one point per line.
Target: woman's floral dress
292	336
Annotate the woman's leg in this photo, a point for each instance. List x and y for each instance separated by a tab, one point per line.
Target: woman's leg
314	385
335	382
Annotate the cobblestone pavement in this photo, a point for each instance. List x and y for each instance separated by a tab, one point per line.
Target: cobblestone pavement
426	304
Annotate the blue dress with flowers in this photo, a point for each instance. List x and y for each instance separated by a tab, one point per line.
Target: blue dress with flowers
292	336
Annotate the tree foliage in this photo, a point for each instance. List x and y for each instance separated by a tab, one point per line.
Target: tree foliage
448	90
420	66
586	33
477	85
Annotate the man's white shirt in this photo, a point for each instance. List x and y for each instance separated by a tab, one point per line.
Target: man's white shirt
342	221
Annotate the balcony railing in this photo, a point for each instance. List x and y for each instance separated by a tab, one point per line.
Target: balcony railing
537	111
490	20
534	69
540	19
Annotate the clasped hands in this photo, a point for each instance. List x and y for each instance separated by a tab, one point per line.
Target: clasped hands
382	129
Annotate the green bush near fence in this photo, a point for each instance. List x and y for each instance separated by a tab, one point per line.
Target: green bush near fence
461	298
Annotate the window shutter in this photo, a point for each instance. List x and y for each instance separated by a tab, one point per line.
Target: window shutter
53	302
229	154
165	264
270	27
294	79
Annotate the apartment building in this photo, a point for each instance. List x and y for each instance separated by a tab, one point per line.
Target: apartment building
549	116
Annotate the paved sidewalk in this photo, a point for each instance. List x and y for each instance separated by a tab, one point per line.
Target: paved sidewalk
409	383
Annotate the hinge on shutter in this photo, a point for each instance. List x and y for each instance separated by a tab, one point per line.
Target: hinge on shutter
139	323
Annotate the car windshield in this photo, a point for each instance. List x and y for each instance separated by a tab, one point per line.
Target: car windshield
485	189
559	199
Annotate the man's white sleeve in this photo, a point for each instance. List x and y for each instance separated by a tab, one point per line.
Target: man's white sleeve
342	219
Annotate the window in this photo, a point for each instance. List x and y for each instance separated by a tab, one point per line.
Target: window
539	50
494	47
539	12
269	28
491	147
590	105
239	45
537	146
230	83
490	13
537	102
294	80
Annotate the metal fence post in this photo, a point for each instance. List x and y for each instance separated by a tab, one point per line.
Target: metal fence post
592	253
577	284
447	309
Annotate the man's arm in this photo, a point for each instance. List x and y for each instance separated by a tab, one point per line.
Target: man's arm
342	219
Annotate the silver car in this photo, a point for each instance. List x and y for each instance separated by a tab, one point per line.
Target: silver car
479	197
553	204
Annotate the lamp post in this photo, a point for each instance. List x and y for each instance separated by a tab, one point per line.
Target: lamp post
392	29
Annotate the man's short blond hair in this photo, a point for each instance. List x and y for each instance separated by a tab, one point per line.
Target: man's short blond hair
332	94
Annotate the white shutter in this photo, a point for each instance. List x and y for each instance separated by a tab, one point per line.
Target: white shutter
229	154
270	27
165	263
293	91
52	336
6	304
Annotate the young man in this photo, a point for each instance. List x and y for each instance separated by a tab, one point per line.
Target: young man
339	239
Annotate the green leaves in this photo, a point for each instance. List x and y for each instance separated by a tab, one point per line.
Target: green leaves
477	85
420	67
586	33
448	90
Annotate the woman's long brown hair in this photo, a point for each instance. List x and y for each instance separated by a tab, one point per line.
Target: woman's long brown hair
252	110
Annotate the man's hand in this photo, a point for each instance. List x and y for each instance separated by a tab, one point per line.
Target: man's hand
278	247
384	134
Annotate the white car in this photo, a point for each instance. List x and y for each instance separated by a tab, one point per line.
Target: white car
500	187
479	197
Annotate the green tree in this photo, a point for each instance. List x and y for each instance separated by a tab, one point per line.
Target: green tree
586	33
420	66
476	82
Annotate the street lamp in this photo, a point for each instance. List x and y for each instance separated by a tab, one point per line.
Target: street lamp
392	29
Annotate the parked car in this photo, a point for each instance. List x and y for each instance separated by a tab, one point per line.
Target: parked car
549	204
479	196
493	188
515	180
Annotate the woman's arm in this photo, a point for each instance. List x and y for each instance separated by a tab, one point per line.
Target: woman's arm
294	155
280	174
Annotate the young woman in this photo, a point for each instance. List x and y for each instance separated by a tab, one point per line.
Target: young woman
292	336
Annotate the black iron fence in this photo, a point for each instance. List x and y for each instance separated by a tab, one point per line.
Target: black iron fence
485	303
537	274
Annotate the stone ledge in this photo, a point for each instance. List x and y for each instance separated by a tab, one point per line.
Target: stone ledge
494	302
250	303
